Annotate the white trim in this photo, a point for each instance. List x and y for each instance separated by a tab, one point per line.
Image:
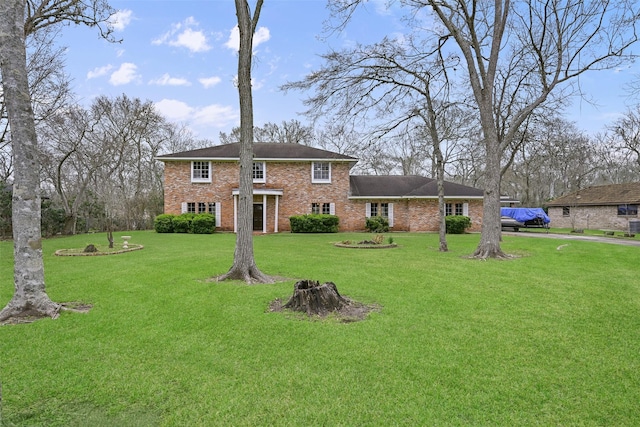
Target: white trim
465	209
390	214
260	192
258	159
264	213
183	207
412	197
275	225
367	210
332	208
218	214
235	213
201	180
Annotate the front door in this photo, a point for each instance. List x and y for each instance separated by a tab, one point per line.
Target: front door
257	216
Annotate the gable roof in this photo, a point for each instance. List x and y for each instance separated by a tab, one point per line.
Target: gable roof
613	194
261	151
406	186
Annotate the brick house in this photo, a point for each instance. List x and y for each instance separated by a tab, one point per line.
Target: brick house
608	207
292	179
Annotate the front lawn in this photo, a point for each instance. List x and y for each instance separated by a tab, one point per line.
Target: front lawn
549	338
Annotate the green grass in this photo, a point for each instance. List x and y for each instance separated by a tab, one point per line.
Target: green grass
549	338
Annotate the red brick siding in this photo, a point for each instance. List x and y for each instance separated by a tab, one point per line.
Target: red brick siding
294	179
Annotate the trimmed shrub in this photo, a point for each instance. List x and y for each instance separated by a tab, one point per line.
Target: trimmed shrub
163	223
377	224
203	223
457	224
314	223
182	223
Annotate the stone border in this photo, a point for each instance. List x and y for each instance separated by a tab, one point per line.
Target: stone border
356	246
63	252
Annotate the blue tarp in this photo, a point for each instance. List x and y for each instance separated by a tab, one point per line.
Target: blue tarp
525	214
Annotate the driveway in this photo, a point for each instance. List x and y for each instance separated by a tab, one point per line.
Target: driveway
603	239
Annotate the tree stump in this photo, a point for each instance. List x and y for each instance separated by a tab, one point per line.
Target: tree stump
311	297
90	248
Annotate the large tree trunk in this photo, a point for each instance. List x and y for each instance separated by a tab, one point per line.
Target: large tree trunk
244	266
489	246
30	297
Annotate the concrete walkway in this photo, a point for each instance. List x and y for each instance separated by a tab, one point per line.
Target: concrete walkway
603	239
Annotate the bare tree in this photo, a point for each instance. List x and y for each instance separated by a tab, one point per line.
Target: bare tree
244	266
18	19
288	132
396	86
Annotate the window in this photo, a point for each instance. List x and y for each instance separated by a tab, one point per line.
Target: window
628	210
374	209
455	209
191	207
380	209
200	171
323	208
566	211
321	172
212	209
259	172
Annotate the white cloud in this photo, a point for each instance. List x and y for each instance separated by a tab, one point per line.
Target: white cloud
125	74
185	34
99	71
121	19
208	82
215	115
167	80
260	36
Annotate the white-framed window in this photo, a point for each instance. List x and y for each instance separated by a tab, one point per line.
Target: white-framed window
380	209
323	208
191	207
212	208
456	209
200	171
202	207
321	172
259	172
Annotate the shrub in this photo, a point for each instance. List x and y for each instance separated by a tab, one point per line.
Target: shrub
163	223
203	223
182	223
314	223
457	224
377	224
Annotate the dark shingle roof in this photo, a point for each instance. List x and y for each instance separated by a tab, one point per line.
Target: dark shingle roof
400	186
613	194
261	151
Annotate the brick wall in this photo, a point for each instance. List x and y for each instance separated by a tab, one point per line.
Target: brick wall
589	217
294	179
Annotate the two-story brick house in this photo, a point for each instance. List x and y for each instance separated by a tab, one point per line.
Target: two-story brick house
292	179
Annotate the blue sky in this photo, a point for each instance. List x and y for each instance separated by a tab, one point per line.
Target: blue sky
181	55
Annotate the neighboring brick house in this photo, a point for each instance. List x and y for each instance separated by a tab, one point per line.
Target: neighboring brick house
293	179
607	207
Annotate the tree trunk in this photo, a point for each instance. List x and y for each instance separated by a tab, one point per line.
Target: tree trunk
311	297
244	266
489	246
30	297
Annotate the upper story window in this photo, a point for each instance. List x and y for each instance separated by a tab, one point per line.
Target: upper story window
259	172
200	171
321	172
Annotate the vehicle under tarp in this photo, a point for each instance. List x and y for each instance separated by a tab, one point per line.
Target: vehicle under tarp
530	217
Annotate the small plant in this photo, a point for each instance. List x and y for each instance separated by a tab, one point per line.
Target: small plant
378	239
390	240
377	224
